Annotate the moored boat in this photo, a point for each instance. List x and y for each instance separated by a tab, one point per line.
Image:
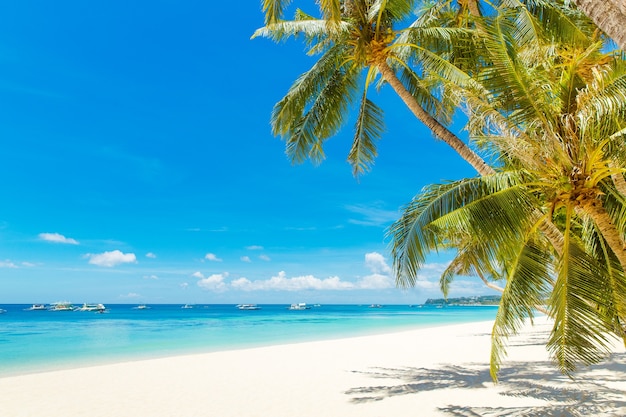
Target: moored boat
248	307
36	307
61	306
92	307
299	306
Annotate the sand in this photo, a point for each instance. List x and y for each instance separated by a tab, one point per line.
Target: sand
441	371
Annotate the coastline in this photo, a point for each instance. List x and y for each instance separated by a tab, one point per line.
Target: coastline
35	342
437	371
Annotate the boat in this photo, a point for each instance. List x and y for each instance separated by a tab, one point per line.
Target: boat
187	306
61	306
92	307
141	307
248	307
2	311
299	306
36	307
376	306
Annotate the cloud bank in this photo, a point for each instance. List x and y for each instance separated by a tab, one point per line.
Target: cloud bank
379	278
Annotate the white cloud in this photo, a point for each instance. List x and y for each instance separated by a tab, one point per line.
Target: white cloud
151	277
264	258
213	282
57	238
7	264
375	282
254	247
380	277
184	285
241	284
212	257
282	283
245	259
111	258
151	255
376	263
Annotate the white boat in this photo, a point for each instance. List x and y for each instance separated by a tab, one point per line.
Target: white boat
36	307
92	307
187	306
2	311
141	307
61	306
376	306
248	307
299	306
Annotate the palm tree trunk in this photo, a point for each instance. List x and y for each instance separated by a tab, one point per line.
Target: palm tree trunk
608	15
604	223
433	124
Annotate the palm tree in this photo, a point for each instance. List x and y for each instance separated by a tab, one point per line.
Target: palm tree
556	113
534	102
357	42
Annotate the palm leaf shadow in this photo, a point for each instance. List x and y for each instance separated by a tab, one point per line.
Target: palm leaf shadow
583	396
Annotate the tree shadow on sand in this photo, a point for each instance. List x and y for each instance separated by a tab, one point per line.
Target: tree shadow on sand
564	397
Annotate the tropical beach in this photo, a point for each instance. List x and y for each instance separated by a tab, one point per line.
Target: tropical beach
482	273
439	371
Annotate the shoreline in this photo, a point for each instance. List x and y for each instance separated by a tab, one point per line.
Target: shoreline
127	335
436	371
90	362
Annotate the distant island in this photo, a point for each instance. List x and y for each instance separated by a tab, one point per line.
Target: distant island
484	300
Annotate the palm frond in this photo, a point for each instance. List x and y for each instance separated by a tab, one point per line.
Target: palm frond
520	89
274	10
602	105
369	128
473	258
312	30
326	114
613	307
528	275
331	10
292	106
581	330
474	206
561	21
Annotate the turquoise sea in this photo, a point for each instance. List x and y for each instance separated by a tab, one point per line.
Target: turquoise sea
35	341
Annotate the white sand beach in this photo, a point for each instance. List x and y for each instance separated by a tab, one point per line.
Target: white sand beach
439	371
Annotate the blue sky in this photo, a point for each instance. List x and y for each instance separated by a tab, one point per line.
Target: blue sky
138	165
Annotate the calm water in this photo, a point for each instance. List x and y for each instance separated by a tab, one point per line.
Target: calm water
32	341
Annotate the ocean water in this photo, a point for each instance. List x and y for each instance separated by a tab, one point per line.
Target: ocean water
36	341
